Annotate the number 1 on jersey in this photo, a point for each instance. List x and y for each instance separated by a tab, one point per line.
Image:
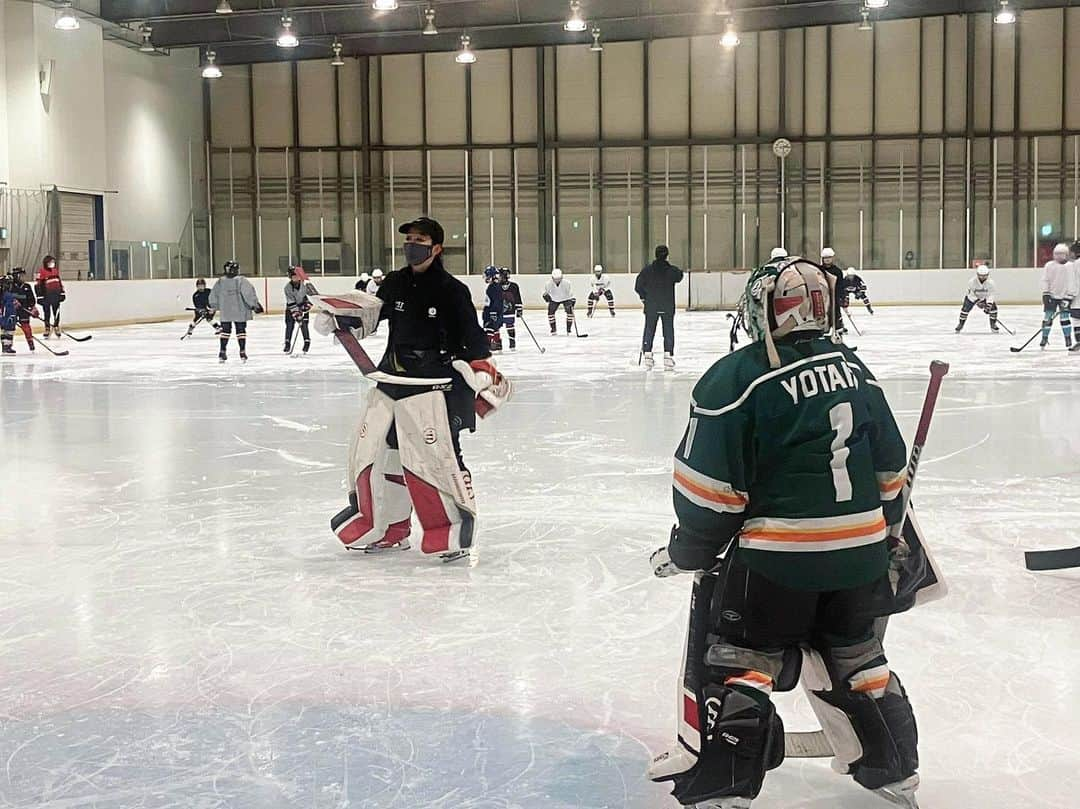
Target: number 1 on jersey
842	421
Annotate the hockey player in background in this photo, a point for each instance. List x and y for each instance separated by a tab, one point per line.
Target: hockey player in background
557	293
234	299
828	258
362	282
980	293
50	292
854	287
297	309
406	453
786	485
377	277
9	308
655	286
200	302
513	307
493	308
26	302
601	288
1058	291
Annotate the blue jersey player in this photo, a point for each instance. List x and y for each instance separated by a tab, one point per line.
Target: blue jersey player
493	308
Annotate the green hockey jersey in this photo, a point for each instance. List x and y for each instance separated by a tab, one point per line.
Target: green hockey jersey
803	465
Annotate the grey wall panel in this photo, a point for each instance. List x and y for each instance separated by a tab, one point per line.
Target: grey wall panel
955	73
897	71
852	80
230	106
933	65
669	89
577	69
815	65
375	118
746	86
988	57
402	112
1072	68
524	92
712	89
769	82
445	107
350	108
273	104
1004	42
794	71
1041	58
622	88
491	98
315	93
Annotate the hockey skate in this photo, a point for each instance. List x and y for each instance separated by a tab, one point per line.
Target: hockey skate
959	327
454	556
1068	343
1044	342
383	546
287	349
1075	348
649	362
902	793
7	350
222	357
306	348
669	362
243	358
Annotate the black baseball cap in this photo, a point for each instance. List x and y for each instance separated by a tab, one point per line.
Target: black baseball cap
429	227
662	251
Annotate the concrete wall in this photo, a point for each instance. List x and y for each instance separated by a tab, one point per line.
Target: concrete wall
105	302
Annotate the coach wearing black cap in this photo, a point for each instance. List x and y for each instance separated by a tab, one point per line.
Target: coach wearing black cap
656	288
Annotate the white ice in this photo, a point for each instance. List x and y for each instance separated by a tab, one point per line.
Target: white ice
179	628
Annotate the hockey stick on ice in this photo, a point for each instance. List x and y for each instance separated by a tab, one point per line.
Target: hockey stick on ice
64	332
533	336
1052	560
573	305
851	320
1010	331
54	352
1031	339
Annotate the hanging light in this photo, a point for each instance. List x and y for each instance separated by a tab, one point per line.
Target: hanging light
286	36
576	23
211	70
877	3
223	8
429	27
337	61
465	55
1006	15
596	46
67	21
145	31
866	25
730	39
385	5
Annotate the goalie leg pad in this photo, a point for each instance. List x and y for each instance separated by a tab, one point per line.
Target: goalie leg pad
440	489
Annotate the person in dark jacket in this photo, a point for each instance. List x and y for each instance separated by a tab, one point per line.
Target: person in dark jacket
297	309
26	301
406	453
656	287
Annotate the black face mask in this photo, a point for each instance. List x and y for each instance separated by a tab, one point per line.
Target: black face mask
416	254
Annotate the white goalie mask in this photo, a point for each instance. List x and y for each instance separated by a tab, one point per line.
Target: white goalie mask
793	296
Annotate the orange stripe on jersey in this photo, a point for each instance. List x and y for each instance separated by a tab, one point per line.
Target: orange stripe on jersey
817	535
890	483
716	495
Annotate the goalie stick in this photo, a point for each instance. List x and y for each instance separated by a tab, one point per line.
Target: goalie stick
1062	559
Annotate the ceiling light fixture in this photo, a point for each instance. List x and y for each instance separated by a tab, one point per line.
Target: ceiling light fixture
385	5
429	27
211	70
877	3
596	46
1005	15
67	21
286	36
223	8
337	61
730	39
145	31
465	55
866	25
576	23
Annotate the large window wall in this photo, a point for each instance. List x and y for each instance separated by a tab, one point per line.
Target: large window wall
925	143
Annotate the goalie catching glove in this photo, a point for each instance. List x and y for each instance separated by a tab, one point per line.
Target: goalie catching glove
484	378
356	311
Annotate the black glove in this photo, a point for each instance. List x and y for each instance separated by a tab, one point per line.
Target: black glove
258	309
547	297
981	304
63	296
1048	302
519	310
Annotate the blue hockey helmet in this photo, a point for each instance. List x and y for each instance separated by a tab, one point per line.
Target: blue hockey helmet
491	273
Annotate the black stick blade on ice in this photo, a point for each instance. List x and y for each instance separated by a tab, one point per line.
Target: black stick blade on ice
1052	560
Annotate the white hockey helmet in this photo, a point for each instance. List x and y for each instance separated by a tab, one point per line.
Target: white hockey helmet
983	271
556	274
778	252
1061	252
849	271
788	297
365	277
598	269
377	274
827	252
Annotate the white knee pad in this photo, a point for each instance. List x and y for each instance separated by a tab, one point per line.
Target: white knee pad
847	749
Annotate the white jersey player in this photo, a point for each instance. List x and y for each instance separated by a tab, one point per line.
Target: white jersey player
601	288
980	293
558	293
1058	292
377	277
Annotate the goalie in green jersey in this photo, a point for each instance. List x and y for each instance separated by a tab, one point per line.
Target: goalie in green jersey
788	475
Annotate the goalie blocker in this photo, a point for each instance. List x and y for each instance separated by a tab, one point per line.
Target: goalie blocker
406	455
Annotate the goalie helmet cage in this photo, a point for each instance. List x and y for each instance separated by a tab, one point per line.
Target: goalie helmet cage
715	290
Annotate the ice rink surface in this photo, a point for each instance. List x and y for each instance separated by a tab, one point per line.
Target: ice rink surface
179	628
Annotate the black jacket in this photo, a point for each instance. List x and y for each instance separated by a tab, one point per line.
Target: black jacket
25	297
656	286
201	299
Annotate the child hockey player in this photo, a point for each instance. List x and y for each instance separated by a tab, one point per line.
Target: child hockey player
362	282
8	310
200	302
493	308
601	289
980	293
512	305
854	286
786	483
557	293
297	307
26	302
376	280
50	292
1058	292
234	298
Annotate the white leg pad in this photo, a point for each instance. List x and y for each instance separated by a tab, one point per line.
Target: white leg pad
838	729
